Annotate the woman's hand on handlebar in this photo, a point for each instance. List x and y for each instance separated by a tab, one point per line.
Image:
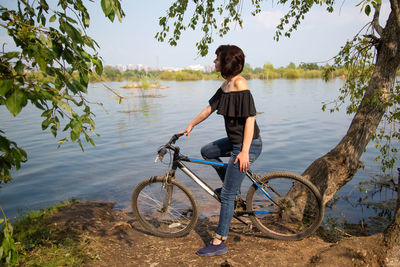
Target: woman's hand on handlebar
187	130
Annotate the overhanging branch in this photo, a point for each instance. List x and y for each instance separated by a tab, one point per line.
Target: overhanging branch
375	21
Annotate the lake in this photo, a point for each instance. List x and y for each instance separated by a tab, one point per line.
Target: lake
293	127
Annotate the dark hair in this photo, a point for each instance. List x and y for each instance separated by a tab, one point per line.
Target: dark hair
231	60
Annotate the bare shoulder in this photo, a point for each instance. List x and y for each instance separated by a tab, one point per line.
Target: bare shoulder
241	84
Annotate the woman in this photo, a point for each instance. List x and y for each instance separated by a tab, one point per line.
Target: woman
234	101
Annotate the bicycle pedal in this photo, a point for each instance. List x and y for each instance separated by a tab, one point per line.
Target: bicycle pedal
248	228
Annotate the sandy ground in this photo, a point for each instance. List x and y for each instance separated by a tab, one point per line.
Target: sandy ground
114	238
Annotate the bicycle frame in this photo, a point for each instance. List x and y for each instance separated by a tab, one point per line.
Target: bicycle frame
198	180
178	163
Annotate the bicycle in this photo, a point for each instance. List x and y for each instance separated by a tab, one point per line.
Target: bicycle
282	205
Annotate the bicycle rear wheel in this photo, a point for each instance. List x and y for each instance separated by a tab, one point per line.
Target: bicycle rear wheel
166	210
285	206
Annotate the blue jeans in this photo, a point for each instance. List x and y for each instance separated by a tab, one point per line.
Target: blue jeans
231	176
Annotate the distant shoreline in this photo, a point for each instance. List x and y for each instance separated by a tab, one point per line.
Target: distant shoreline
140	85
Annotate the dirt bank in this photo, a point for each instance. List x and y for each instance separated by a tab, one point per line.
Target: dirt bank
114	238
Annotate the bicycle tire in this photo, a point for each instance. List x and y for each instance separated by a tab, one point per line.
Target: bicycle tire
284	218
148	206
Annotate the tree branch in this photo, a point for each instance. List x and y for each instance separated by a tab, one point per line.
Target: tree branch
112	91
374	40
395	5
375	20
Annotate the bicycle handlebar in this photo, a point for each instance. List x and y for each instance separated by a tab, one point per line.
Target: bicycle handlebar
163	150
173	139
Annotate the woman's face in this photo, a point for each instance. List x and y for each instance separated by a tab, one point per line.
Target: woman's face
217	64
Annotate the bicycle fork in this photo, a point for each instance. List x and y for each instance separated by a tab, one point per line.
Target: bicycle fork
169	190
168	198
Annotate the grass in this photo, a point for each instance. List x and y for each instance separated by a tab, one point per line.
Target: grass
40	243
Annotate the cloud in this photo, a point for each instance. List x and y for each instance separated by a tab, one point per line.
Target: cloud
342	16
269	19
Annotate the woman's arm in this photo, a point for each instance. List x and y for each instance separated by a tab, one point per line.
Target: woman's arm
199	118
243	156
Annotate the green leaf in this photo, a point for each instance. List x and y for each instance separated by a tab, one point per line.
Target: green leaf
90	140
71	86
4	143
17	157
111	16
88	41
62	141
71	20
80	144
40	60
119	14
86	21
74	135
65	106
5	86
367	10
52	18
107	7
53	130
71	31
16	101
23	154
10	55
98	66
47	113
83	83
45	124
19	67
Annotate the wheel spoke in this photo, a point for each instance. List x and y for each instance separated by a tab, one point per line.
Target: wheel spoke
294	211
149	205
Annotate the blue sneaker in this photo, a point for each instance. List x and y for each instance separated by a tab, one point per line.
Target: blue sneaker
212	250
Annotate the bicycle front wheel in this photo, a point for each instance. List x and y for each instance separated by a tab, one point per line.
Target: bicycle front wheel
164	209
285	206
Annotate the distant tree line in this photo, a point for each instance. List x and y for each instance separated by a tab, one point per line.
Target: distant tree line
267	72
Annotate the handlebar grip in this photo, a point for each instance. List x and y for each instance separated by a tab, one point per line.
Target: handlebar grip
161	153
174	138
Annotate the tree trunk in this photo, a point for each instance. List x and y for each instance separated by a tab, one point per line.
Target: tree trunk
330	172
392	235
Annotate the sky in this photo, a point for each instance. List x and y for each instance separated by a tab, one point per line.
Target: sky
132	41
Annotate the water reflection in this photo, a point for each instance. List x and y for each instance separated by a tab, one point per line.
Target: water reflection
370	199
138	103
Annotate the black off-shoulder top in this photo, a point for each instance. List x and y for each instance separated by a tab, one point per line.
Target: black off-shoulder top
235	106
